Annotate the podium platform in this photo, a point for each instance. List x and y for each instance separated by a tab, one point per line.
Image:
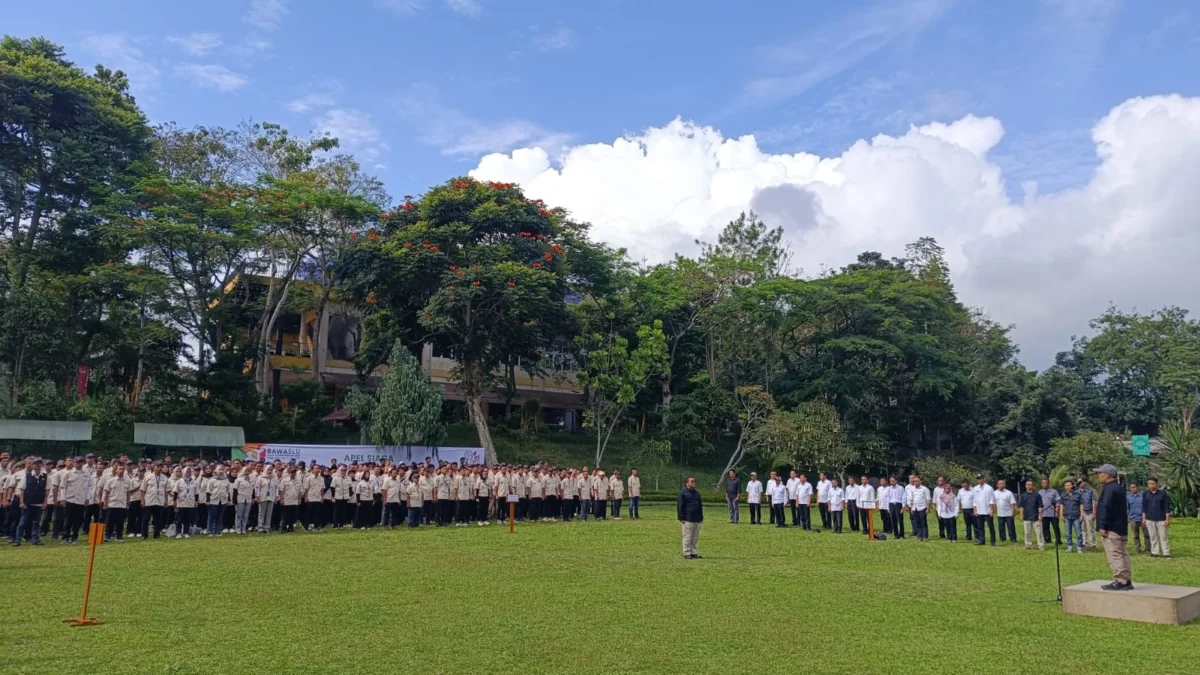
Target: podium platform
1150	603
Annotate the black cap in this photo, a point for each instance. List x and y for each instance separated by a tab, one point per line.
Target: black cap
979	475
90	456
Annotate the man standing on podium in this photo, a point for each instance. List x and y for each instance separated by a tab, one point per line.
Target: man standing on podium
1112	520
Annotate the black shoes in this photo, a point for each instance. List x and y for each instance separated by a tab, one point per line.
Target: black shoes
1114	586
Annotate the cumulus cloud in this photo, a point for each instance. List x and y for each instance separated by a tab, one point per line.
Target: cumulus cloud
196	44
355	131
265	14
119	51
212	76
1046	262
457	133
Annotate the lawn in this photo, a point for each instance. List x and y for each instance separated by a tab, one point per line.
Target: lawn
598	597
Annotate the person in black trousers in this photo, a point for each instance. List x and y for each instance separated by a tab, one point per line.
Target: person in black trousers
31	498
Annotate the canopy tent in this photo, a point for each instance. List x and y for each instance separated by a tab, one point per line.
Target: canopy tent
188	435
45	430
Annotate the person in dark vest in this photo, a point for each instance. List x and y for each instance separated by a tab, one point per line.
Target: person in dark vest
31	497
690	511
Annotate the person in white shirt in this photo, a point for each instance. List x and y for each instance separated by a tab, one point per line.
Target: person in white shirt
937	490
823	486
946	503
793	481
984	499
837	503
866	506
804	493
881	503
778	500
966	504
918	508
1005	508
772	482
754	492
852	502
895	503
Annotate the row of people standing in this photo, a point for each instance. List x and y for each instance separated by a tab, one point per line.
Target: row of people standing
982	508
189	497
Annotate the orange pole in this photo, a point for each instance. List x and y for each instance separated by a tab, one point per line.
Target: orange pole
512	511
95	535
871	522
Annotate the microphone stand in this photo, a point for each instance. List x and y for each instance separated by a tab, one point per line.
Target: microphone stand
1058	570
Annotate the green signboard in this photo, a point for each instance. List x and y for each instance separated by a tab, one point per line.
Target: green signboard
1141	446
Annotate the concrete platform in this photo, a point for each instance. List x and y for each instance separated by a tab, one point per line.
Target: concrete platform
1151	603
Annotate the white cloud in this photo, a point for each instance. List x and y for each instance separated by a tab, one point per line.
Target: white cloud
401	6
826	50
554	40
265	14
196	44
1046	262
470	8
311	101
457	133
355	131
212	76
119	52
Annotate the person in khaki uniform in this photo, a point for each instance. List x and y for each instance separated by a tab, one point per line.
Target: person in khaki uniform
183	495
364	515
600	495
635	494
616	491
290	489
392	486
583	486
464	495
536	487
428	501
416	501
243	487
567	487
74	487
266	491
482	495
341	485
115	497
154	499
550	507
516	486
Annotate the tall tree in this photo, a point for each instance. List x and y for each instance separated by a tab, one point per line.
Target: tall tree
405	409
614	374
478	270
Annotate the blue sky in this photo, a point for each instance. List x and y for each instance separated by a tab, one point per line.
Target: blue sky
1052	146
423	88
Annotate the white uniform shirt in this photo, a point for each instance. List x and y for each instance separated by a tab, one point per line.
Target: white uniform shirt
823	491
791	488
778	492
918	498
1005	501
851	493
966	499
837	498
866	497
754	490
984	498
804	493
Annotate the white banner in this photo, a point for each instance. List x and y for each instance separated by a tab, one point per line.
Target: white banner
359	454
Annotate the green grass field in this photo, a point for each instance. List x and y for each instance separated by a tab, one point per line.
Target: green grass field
607	597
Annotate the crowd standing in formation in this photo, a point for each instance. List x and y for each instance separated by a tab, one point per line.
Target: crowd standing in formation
146	499
984	509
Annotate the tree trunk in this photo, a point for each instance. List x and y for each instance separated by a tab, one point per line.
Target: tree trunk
710	359
317	337
481	427
137	378
738	453
25	252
